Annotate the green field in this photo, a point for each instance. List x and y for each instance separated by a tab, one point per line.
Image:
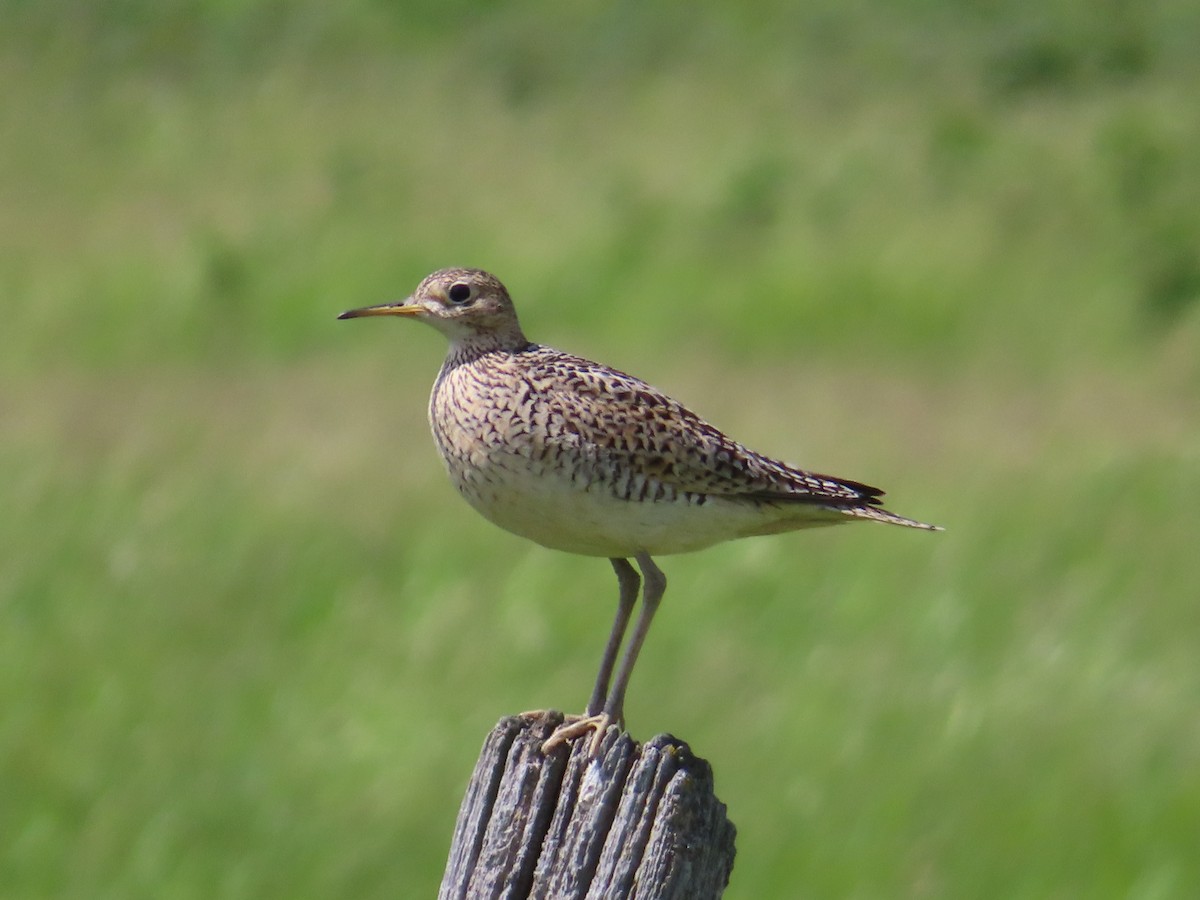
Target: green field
250	639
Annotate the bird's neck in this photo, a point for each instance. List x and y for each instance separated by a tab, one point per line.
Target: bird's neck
475	346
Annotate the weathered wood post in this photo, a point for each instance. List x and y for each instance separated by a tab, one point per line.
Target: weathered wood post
635	822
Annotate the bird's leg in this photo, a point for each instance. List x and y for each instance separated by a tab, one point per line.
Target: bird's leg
655	583
628	581
652	592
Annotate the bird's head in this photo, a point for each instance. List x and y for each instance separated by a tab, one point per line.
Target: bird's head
467	305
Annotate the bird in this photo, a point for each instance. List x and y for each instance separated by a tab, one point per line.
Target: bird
580	457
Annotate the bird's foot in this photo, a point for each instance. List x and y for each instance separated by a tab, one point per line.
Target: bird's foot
577	726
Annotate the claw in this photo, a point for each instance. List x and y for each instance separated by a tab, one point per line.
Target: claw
577	726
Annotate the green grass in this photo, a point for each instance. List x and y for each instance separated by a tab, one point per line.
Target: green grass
250	641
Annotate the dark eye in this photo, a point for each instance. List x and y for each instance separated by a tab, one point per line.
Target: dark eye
459	293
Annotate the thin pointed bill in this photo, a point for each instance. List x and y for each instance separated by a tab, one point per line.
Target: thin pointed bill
403	308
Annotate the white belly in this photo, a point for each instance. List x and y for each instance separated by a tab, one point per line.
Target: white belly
591	521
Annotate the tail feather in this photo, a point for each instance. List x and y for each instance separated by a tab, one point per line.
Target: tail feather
878	514
853	499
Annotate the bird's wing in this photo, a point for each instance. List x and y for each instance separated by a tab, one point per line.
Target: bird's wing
623	425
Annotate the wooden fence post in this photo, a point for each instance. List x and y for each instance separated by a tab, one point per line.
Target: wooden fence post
635	822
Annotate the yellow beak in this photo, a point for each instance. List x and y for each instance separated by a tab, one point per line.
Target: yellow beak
403	308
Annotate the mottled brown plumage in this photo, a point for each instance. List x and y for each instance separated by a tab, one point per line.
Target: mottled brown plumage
583	458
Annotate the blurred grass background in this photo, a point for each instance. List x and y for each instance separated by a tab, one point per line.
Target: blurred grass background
250	641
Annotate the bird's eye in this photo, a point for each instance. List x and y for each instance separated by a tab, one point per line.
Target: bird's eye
459	293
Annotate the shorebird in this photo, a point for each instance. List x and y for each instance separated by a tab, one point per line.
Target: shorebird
581	457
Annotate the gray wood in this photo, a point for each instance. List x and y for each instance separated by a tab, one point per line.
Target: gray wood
636	822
